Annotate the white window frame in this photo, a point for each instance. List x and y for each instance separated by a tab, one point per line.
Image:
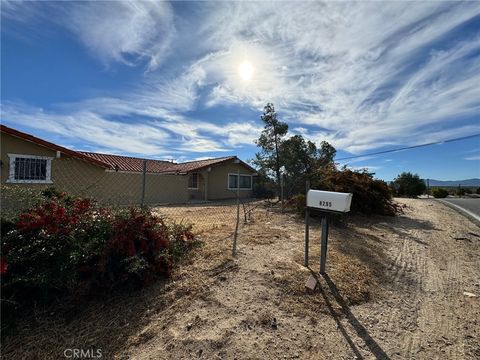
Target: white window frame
11	173
198	182
238	182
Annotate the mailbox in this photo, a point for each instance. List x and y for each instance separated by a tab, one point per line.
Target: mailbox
329	200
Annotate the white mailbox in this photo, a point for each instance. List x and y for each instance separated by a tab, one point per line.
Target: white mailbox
329	200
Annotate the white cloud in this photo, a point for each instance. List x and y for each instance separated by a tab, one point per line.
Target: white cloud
359	75
113	31
93	130
473	157
363	75
160	133
369	168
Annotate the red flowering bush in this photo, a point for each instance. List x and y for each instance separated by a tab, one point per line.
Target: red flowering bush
139	247
67	245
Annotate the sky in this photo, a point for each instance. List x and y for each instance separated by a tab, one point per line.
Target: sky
189	80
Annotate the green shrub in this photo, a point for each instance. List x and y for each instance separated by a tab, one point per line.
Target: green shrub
439	193
408	184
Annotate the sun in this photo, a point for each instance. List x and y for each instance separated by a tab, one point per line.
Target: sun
246	70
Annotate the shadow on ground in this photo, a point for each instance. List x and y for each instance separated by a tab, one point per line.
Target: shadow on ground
367	239
330	287
106	324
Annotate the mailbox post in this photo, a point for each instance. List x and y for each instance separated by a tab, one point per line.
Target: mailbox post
327	202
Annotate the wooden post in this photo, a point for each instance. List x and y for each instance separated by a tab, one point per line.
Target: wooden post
144	178
307	224
234	248
324	243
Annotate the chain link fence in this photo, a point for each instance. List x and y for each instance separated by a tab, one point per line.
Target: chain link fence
167	194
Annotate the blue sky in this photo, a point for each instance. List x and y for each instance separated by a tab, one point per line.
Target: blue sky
188	80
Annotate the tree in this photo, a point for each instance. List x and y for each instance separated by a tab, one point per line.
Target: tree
327	154
303	160
270	142
409	184
299	156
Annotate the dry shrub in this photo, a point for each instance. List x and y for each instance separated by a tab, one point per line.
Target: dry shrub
352	279
370	196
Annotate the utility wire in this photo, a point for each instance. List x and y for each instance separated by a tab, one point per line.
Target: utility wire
409	147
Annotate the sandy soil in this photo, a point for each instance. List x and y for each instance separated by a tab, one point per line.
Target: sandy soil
395	289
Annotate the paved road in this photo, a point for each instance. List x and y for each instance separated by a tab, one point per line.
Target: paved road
470	207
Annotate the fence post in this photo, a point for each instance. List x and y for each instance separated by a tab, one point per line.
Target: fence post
282	183
144	178
235	234
307	224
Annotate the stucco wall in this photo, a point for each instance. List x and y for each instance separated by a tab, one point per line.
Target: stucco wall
198	194
218	181
82	178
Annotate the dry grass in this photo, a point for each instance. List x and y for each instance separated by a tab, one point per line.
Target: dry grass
354	281
207	216
203	218
130	320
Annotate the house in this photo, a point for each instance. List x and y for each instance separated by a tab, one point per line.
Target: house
30	161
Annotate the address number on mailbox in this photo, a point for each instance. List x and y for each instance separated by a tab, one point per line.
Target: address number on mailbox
329	200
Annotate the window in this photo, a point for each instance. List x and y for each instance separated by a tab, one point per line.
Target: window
193	181
245	182
30	169
232	181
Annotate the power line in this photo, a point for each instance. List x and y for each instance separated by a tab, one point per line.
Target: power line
409	147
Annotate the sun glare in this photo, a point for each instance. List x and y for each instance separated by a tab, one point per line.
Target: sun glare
246	70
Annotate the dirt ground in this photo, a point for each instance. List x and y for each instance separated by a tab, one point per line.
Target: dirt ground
397	287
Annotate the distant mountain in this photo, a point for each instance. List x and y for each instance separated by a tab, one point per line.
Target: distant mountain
450	183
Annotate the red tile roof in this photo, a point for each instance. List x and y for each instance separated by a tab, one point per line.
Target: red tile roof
128	163
51	146
201	164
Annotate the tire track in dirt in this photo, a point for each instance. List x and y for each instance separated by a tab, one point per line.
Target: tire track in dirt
421	312
432	271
